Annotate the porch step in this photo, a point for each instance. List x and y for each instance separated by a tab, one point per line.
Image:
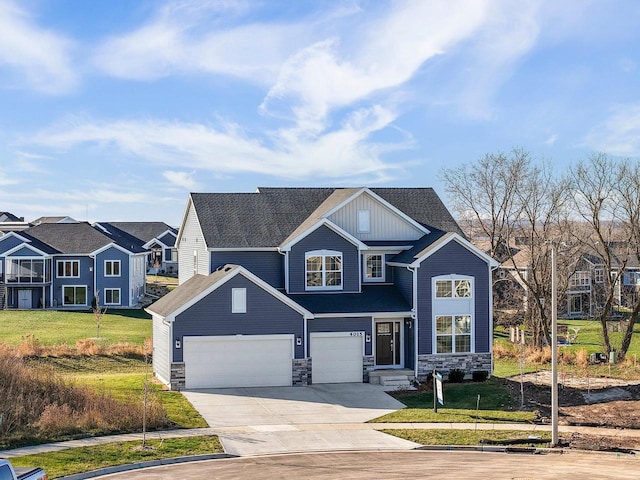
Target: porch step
392	379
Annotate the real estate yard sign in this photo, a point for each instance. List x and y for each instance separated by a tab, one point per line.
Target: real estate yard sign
438	392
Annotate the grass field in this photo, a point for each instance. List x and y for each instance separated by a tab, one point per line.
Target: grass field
495	405
77	460
52	327
470	437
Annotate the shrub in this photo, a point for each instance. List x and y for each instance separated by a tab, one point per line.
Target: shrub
582	358
456	375
87	347
480	376
30	346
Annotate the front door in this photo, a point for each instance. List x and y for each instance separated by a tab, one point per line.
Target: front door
388	343
24	299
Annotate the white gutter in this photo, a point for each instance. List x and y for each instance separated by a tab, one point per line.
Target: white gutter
414	316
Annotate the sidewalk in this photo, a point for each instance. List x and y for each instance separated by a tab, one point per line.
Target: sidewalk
225	431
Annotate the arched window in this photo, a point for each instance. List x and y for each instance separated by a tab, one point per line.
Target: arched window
323	270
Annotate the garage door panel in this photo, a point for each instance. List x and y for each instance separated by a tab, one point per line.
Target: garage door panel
336	359
238	361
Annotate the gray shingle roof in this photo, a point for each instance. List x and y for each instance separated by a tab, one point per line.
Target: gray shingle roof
268	217
145	231
75	238
187	291
374	298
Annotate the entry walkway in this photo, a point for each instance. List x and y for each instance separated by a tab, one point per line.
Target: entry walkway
357	432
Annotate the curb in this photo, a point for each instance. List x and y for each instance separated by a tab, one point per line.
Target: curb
151	463
490	448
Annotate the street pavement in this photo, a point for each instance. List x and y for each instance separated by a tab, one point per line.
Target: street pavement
443	465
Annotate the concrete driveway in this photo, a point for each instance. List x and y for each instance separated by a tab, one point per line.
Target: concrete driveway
258	421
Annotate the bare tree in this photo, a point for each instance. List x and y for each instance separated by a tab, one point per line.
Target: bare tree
519	208
606	196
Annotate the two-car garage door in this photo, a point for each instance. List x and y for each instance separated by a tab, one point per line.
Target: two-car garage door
238	361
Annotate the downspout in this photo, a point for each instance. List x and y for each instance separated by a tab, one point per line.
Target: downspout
95	275
286	271
491	270
414	316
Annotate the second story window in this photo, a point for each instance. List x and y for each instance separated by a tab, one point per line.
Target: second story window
68	268
112	268
374	267
580	279
598	275
453	288
323	269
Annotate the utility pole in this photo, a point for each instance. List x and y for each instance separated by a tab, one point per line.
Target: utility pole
554	350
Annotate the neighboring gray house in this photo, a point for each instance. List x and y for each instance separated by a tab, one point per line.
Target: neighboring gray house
290	286
156	237
10	222
64	265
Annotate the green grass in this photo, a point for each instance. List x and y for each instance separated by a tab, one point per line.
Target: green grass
76	460
470	437
51	327
496	405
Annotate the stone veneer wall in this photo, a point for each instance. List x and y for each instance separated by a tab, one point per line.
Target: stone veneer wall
301	369
177	380
468	362
368	362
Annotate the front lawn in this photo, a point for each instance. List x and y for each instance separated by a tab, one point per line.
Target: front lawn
460	399
77	460
471	437
50	327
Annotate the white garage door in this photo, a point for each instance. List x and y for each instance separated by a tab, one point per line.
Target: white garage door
336	357
238	361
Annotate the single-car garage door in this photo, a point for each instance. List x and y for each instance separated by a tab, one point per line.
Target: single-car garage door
336	357
238	361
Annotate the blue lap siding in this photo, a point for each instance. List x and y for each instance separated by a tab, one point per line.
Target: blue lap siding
121	281
403	281
357	324
269	266
85	278
266	315
453	258
324	239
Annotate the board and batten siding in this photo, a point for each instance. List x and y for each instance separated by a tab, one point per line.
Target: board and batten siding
385	224
324	239
190	241
455	259
268	266
338	324
161	349
265	315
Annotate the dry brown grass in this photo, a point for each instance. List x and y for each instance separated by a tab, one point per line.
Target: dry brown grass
31	347
38	405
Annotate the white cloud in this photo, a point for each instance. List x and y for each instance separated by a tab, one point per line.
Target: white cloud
5	179
200	37
287	153
34	55
619	134
551	140
182	179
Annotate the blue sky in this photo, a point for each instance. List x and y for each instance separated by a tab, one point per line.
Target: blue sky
116	109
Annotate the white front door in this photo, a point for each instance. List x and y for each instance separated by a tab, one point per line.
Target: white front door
336	357
238	361
24	299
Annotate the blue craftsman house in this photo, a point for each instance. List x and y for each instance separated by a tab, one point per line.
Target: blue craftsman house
65	265
291	286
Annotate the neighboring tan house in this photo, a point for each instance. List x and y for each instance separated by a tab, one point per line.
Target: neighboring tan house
58	219
290	286
65	265
156	237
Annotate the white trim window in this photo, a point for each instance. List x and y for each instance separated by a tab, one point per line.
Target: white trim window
112	268
453	288
598	275
323	270
112	296
373	267
364	221
68	268
74	295
238	300
453	333
580	279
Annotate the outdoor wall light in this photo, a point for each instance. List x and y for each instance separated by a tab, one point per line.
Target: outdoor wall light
178	344
299	341
367	338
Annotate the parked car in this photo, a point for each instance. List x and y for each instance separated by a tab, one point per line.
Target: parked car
8	472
